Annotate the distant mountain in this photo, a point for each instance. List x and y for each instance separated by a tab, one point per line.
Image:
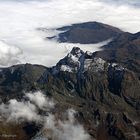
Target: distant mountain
87	33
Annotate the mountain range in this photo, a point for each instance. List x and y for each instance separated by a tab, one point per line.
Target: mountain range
103	87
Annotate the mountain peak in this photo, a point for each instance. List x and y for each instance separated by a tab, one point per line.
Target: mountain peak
76	52
78	61
72	61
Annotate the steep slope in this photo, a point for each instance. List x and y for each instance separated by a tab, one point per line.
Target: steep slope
87	33
106	95
124	49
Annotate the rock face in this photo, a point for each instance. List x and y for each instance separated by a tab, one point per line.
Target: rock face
87	33
124	49
106	95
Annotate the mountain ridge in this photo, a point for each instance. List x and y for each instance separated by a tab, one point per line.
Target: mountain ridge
86	33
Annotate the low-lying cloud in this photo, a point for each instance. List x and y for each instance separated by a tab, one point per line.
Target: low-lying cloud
40	100
19	20
19	111
65	129
29	110
26	109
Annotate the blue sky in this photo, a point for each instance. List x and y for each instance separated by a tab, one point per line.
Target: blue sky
129	2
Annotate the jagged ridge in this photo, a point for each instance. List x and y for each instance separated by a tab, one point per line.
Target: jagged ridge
100	91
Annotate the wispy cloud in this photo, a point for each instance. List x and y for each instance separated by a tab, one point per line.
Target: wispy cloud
40	100
65	129
19	111
29	110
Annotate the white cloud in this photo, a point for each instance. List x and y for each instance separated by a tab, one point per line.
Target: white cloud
40	100
19	20
67	129
19	111
26	109
9	54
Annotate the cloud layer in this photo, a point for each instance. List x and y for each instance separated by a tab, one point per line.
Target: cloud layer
9	54
19	20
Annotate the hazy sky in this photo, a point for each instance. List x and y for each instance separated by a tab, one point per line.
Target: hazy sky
20	42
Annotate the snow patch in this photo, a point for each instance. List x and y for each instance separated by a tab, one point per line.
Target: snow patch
66	68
